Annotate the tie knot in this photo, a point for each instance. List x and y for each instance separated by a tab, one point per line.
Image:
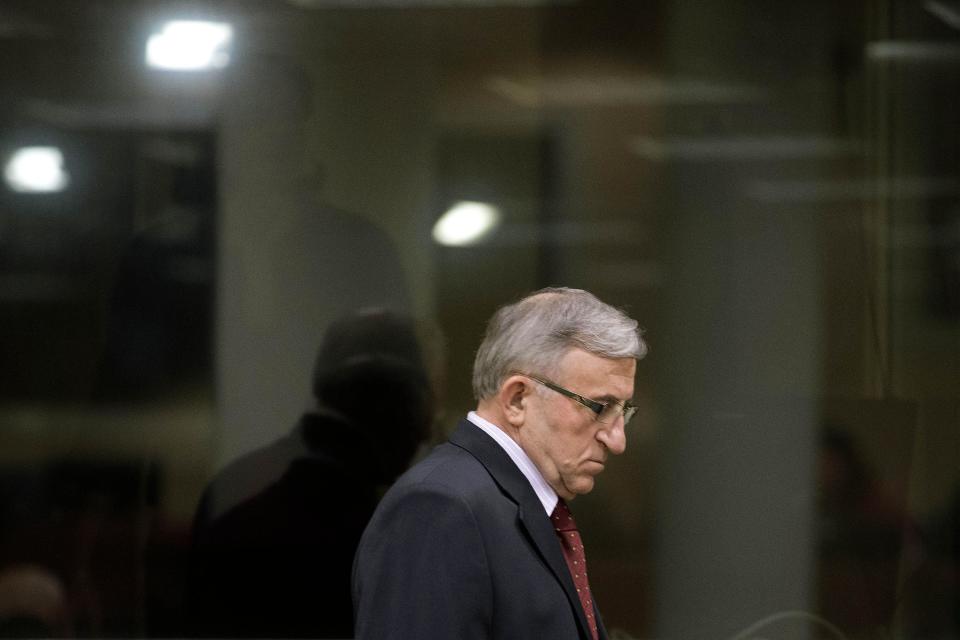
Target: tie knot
562	517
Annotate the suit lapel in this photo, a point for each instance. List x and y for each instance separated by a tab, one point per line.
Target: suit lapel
529	508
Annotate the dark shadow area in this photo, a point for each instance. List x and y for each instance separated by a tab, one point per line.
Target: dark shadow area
275	560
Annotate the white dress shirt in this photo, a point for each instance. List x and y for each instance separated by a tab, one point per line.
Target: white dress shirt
548	497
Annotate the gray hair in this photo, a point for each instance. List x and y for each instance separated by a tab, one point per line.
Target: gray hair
533	334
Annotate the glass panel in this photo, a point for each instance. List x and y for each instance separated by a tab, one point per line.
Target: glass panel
199	218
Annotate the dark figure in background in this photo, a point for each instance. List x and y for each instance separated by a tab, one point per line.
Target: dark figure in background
933	608
33	603
866	541
276	561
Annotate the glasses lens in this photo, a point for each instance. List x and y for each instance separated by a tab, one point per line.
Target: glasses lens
614	410
610	413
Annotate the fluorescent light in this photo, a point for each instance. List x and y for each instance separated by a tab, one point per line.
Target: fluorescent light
190	45
36	170
776	147
847	190
465	223
418	4
612	89
950	15
914	51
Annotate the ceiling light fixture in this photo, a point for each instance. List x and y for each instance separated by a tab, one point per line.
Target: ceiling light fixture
36	170
466	223
190	45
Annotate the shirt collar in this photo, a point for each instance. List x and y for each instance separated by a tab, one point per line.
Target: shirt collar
548	497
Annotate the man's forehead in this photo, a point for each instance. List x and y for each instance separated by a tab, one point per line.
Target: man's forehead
579	354
582	364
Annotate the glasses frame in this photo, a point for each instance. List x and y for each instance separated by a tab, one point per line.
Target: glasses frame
597	407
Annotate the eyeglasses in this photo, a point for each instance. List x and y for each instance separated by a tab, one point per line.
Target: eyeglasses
605	412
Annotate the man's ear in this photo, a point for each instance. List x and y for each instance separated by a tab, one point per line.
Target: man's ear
514	398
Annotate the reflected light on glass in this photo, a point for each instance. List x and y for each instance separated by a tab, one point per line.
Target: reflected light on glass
949	14
190	45
913	51
775	147
466	223
36	170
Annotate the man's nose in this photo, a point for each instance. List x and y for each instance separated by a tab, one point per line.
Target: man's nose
613	437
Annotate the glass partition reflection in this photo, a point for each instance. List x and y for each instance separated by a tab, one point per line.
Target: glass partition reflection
194	195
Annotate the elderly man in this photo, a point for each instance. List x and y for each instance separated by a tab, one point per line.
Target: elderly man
476	541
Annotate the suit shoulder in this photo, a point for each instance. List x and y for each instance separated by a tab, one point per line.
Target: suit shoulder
448	470
447	466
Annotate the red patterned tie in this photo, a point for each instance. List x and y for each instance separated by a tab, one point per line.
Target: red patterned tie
576	559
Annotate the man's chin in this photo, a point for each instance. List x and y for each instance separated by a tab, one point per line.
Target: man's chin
582	485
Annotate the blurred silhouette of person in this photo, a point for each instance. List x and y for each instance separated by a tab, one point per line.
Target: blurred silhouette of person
949	552
33	603
865	539
933	606
276	530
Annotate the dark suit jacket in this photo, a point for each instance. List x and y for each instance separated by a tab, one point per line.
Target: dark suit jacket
460	548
